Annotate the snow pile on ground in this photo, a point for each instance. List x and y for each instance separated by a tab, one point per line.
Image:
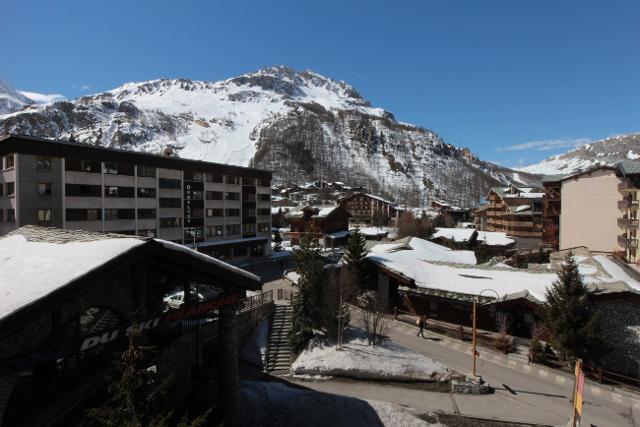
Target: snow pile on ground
358	359
277	404
254	350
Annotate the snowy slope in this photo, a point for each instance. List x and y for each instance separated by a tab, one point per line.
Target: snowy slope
603	152
10	99
299	124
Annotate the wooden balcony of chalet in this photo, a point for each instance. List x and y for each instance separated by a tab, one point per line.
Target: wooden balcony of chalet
627	242
628	222
628	203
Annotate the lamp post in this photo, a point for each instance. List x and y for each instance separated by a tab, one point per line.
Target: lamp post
474	340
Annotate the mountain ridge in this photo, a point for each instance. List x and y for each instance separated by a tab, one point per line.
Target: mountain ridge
300	124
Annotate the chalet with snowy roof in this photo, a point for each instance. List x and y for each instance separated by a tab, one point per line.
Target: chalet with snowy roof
424	278
456	213
516	211
322	220
363	207
70	298
465	238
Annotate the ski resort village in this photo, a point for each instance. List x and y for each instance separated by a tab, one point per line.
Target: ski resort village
186	242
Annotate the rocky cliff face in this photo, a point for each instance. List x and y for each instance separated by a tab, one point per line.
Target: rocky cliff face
607	151
301	125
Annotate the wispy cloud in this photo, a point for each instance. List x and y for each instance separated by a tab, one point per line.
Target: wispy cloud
82	86
547	144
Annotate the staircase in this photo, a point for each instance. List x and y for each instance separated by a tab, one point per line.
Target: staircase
278	349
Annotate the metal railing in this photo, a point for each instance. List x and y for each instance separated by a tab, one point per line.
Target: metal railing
255	301
627	242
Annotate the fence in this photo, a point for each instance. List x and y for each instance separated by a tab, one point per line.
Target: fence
255	301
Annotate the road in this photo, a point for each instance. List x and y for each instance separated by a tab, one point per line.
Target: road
519	396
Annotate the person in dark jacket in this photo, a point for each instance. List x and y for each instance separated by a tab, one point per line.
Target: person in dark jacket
421	325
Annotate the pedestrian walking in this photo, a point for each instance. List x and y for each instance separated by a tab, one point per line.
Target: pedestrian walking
420	322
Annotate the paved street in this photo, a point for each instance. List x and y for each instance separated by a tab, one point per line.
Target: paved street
519	396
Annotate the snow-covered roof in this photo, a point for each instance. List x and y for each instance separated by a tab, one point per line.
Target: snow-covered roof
325	211
407	255
37	261
32	269
495	238
456	234
521	208
373	231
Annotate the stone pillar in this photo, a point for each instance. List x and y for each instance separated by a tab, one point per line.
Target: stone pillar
229	376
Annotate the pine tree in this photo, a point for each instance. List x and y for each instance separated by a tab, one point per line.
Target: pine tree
357	267
306	317
136	399
569	318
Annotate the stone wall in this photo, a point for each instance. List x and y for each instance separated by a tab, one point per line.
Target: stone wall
620	322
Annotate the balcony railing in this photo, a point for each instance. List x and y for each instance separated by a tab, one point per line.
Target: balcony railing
628	203
626	184
627	242
628	222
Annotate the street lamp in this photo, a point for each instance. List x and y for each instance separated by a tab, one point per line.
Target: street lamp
474	341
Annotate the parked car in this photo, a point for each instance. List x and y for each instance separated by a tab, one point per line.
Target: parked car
176	299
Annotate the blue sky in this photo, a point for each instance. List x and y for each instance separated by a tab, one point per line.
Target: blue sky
516	81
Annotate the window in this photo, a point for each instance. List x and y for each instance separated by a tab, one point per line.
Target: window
232	179
196	195
214	230
240	252
83	214
11	215
44	215
264	212
44	162
82	190
250	212
9	161
146	213
213	177
214	195
248	228
146	193
170	203
170	183
77	165
264	197
232	229
257	250
44	189
233	212
118	191
146	171
214	212
221	253
192	176
1	215
231	196
264	183
1	189
118	168
115	214
264	227
11	188
248	181
169	222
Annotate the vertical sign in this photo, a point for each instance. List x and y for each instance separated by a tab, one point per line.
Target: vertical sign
578	393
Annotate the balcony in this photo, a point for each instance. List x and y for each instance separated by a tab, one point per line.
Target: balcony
628	204
628	222
625	185
627	242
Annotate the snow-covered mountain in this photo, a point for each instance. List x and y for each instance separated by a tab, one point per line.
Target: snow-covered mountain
607	151
301	125
10	99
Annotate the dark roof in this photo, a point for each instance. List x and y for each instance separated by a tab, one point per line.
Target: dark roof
629	167
55	148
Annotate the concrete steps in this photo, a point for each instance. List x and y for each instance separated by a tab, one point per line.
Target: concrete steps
278	349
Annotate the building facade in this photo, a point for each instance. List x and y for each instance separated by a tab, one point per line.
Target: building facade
223	210
363	207
516	211
628	188
573	219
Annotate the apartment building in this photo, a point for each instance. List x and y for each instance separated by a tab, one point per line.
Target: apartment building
628	205
516	211
362	207
224	210
581	209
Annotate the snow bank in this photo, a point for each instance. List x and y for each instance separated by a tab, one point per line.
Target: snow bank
357	359
274	403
